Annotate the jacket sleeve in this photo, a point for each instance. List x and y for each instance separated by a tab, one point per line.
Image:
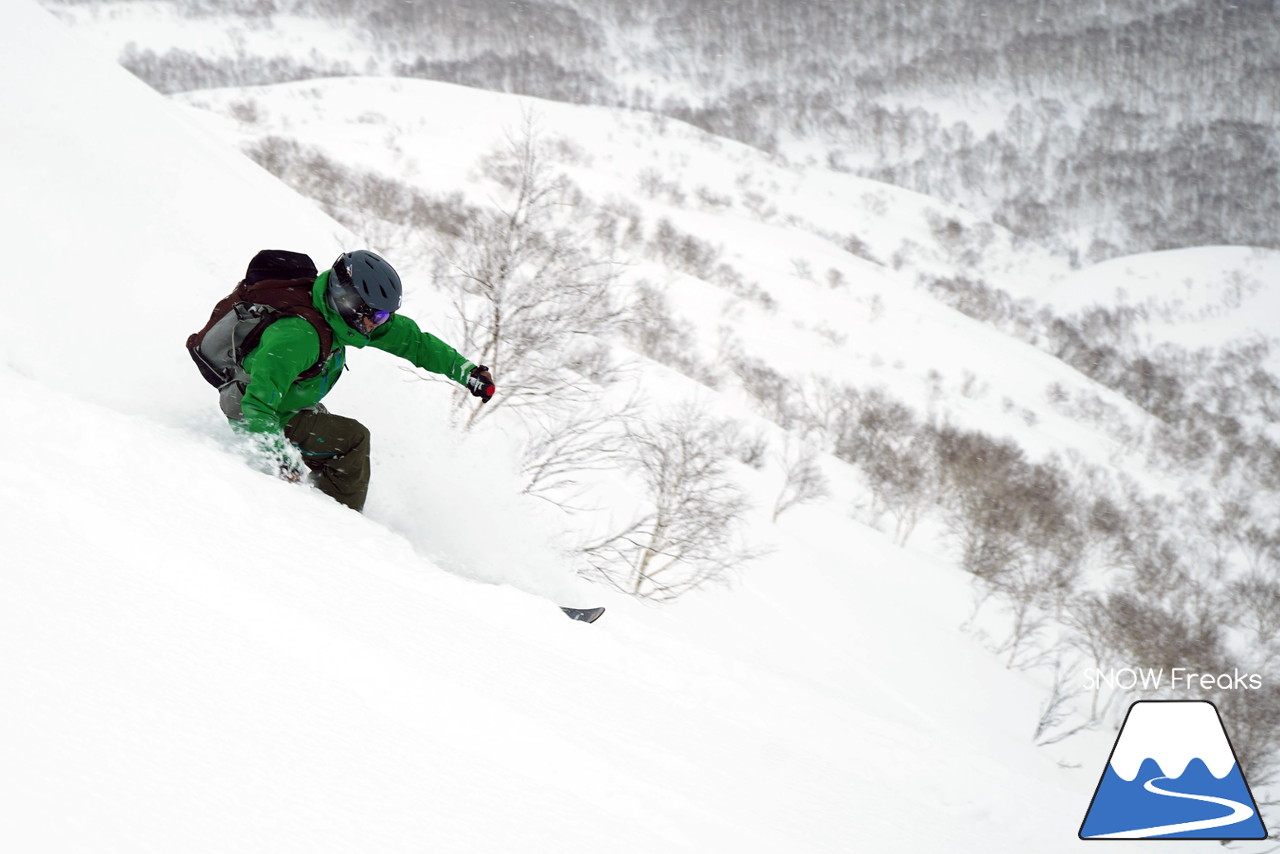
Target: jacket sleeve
288	348
402	337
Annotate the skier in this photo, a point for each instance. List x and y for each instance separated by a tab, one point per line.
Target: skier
276	386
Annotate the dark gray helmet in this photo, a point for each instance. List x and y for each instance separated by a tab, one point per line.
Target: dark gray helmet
363	285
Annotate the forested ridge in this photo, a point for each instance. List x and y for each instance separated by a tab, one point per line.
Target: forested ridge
1097	129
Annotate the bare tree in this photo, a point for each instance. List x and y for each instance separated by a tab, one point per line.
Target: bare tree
563	447
1056	712
802	482
687	537
532	295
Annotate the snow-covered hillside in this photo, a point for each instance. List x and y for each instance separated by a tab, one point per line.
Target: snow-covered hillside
198	657
870	327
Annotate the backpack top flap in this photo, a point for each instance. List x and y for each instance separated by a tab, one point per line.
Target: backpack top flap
281	265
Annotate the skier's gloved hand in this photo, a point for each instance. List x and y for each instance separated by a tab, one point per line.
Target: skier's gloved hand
480	383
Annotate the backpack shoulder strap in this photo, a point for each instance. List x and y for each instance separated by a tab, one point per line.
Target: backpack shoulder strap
277	284
289	298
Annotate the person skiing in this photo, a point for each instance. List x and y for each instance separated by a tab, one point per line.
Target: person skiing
279	383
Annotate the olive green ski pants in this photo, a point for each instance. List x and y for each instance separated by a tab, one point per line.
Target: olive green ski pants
336	449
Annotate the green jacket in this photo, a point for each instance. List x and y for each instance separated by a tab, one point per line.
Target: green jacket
274	393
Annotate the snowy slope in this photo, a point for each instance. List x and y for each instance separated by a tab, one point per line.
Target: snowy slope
875	328
1197	297
838	258
195	657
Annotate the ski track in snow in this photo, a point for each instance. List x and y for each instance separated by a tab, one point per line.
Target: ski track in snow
1239	812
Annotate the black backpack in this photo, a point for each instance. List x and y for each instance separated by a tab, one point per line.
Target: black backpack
277	284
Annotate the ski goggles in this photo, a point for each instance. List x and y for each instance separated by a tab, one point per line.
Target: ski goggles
377	318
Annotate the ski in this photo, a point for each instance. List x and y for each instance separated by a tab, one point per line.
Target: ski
586	615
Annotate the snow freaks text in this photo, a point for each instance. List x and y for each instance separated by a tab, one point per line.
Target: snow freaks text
1173	678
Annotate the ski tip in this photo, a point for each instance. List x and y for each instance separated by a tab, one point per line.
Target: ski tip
586	615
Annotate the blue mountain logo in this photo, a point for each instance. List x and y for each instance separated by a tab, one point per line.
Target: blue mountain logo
1172	775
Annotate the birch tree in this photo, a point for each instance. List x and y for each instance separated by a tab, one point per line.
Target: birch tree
532	294
688	534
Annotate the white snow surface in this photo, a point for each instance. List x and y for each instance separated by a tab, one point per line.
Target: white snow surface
1187	297
195	657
